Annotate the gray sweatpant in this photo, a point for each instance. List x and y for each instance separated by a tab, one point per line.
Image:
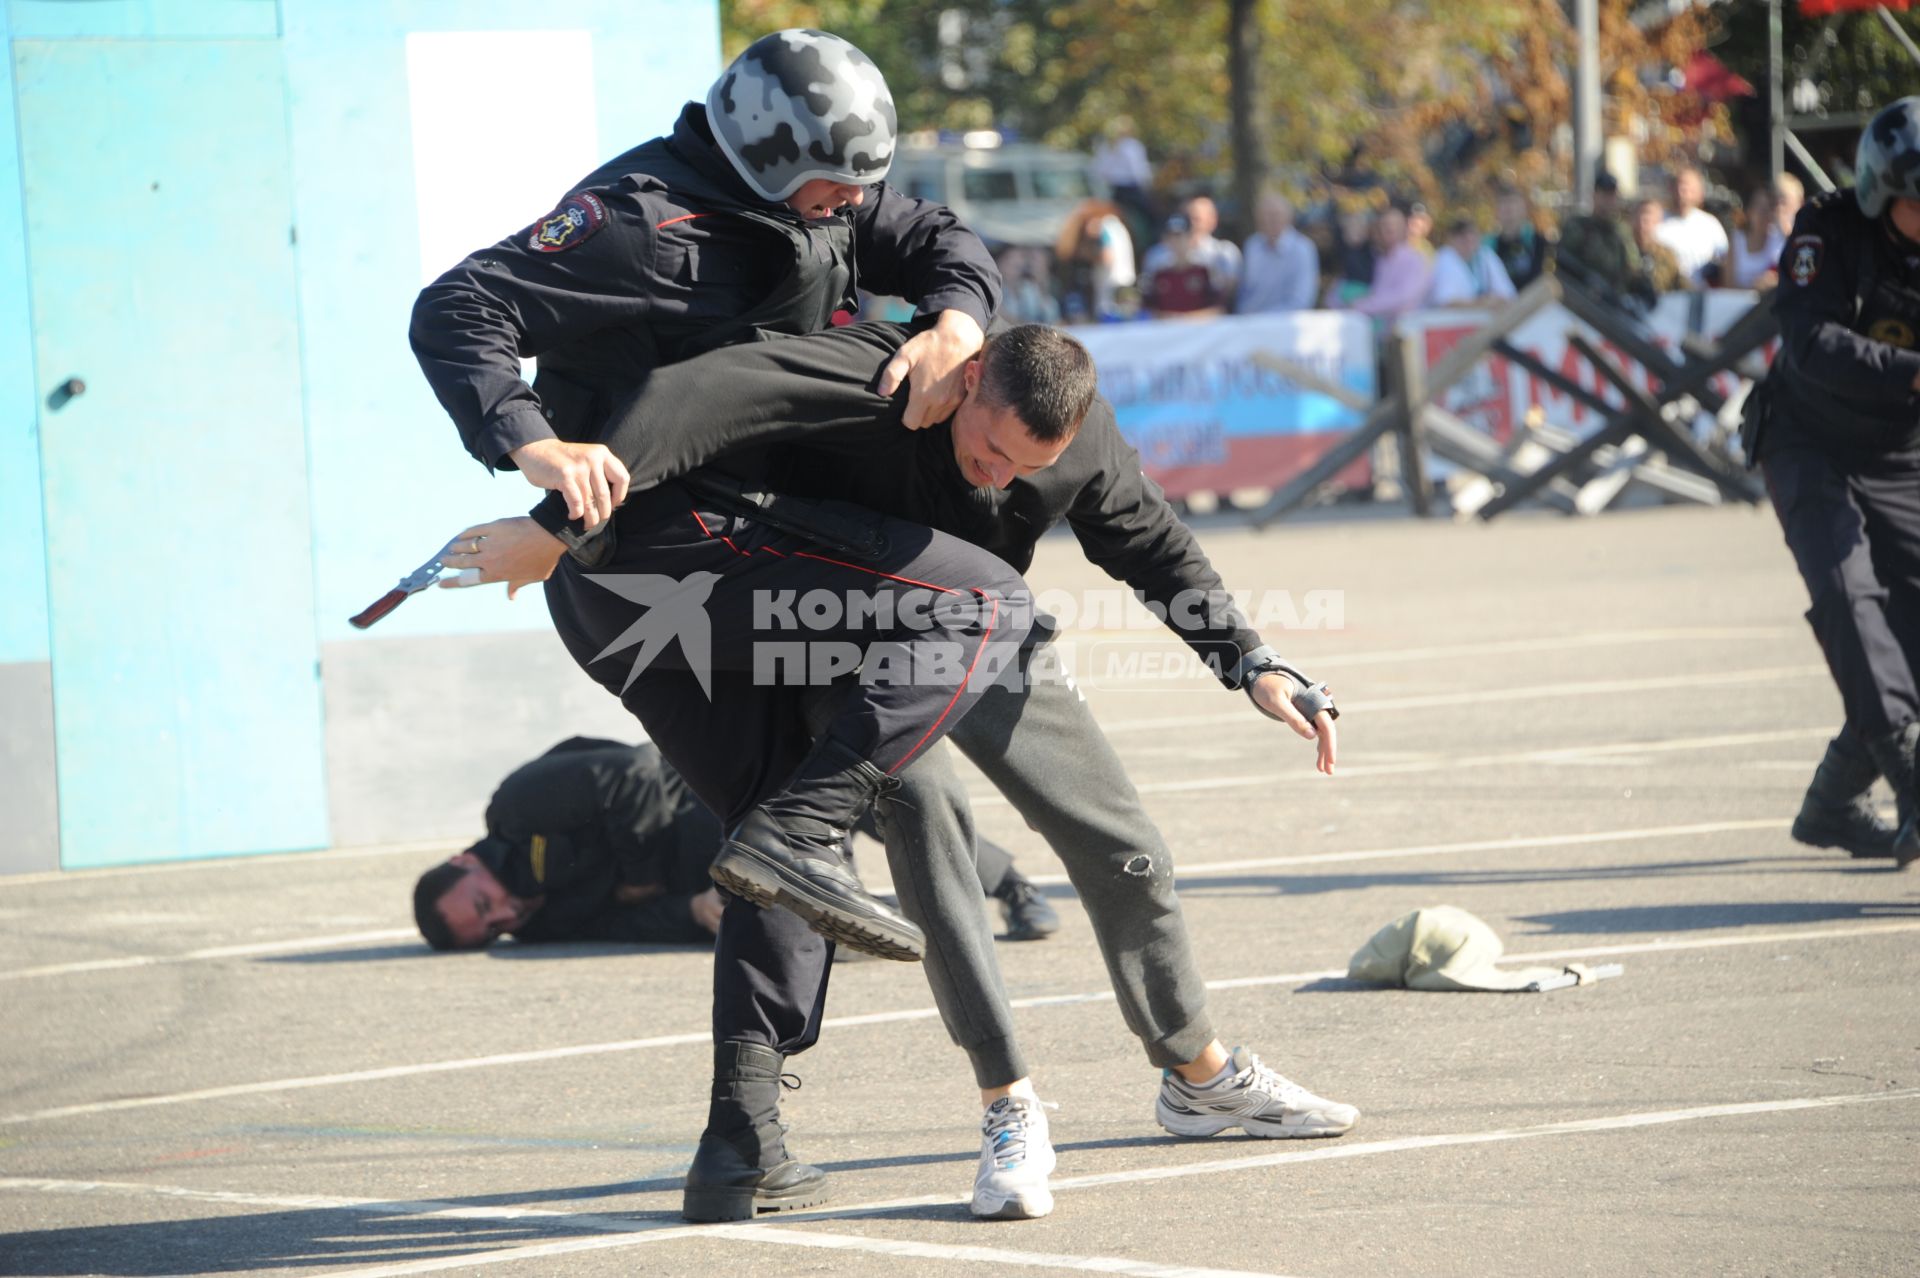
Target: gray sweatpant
1040	746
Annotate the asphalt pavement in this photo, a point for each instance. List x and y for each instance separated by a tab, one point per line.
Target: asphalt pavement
1592	734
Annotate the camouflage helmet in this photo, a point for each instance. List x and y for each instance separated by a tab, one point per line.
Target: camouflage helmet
1888	165
800	105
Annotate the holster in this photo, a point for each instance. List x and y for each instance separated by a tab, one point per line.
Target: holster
846	529
1755	416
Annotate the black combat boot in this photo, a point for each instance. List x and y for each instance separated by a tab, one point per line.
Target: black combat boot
1894	753
742	1165
790	852
1838	811
1028	914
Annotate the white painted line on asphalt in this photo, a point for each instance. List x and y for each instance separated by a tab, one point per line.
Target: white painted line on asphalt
616	1231
514	1255
1518	758
1599	951
359	1076
1490	647
317	944
1556	643
1206	869
790	1237
870	1018
1533	692
631	1233
1617	1122
442	847
298	944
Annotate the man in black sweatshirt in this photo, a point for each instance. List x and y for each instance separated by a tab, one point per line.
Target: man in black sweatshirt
802	418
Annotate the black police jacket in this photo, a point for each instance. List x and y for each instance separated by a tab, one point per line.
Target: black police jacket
801	417
1849	308
657	255
610	836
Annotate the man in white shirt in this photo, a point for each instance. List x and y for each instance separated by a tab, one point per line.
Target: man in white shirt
1279	268
1694	236
1466	270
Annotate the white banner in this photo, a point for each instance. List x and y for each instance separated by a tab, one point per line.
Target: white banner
1206	418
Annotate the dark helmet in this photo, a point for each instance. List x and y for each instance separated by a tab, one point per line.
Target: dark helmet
1888	165
800	105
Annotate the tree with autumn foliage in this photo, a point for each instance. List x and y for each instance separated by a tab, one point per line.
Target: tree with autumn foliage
1442	99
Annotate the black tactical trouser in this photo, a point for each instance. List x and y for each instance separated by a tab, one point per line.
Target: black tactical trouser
680	624
1854	528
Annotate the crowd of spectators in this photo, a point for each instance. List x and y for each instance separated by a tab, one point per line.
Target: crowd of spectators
1377	257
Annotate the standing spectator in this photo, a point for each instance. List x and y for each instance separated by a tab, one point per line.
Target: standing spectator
1221	256
1518	243
1176	282
1597	252
1755	259
1349	267
1659	271
1466	270
1280	270
1420	228
1121	162
1400	271
1788	195
1028	287
1698	241
1095	251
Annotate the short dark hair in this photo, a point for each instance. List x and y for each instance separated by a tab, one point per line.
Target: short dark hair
433	885
1044	376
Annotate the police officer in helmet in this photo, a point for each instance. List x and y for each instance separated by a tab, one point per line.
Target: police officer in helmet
756	218
1836	431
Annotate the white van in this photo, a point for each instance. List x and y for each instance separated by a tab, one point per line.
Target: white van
1010	194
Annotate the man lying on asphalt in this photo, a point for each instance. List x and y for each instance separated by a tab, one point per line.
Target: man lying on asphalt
600	841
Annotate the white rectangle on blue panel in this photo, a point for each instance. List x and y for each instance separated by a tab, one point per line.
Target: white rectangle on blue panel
503	124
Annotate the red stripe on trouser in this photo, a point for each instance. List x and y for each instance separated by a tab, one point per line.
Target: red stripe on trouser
992	617
951	701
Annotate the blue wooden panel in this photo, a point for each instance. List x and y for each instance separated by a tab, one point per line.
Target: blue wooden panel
153	19
186	693
360	234
23	550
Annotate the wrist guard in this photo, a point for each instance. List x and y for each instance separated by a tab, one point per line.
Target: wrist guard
1310	696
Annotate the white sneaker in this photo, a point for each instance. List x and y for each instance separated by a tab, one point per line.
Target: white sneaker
1016	1157
1253	1097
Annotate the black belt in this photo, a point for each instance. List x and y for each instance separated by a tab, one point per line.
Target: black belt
850	530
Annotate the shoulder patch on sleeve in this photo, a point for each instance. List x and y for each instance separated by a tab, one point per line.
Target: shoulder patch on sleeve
573	223
1803	258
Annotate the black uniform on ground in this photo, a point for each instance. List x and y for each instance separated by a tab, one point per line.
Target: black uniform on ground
617	847
610	836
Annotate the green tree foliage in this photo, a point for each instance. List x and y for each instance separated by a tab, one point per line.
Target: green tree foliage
1852	60
1438	97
